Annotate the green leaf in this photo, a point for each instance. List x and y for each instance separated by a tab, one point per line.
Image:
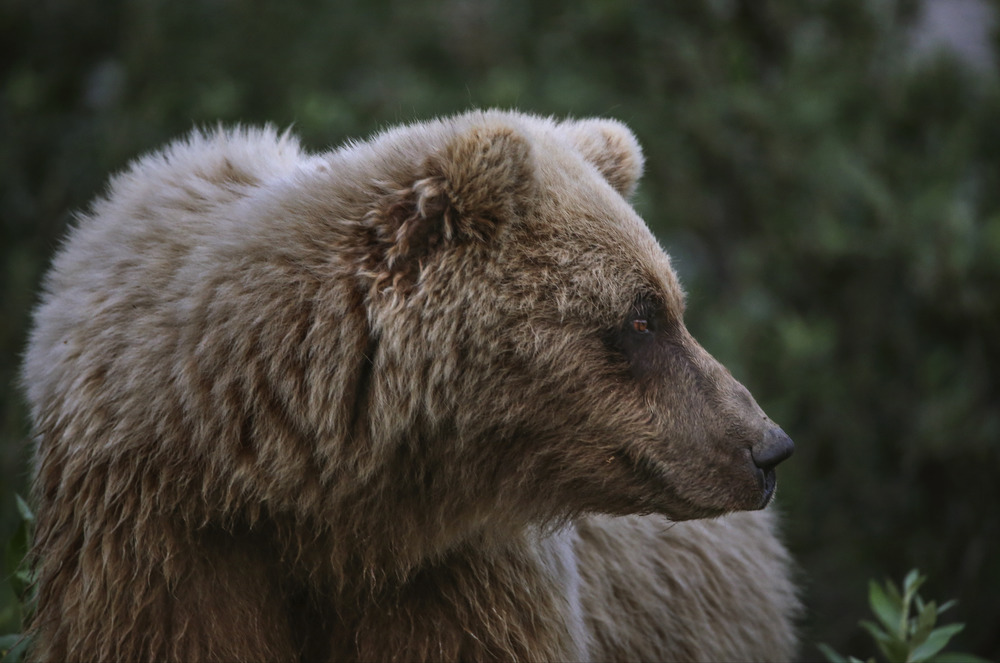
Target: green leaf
12	648
888	611
25	510
8	641
912	582
830	655
895	649
19	573
16	550
876	632
893	592
946	605
923	624
936	641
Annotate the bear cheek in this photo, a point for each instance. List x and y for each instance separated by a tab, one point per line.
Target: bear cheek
708	474
703	441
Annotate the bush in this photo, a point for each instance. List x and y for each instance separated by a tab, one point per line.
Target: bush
905	631
14	645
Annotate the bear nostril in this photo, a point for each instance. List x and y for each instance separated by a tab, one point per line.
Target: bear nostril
773	448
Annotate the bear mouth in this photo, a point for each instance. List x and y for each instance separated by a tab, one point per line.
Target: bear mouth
652	473
768	480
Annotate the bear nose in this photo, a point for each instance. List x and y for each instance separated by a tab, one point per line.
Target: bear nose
773	448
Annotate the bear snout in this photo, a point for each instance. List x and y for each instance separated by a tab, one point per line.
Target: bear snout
773	448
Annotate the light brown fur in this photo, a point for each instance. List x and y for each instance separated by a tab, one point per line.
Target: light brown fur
366	405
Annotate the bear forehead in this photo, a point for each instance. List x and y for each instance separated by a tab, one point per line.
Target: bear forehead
587	231
604	263
576	230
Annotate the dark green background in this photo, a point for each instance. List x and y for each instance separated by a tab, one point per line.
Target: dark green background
832	205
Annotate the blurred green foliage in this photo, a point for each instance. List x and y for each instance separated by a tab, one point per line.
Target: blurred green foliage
21	581
831	203
905	629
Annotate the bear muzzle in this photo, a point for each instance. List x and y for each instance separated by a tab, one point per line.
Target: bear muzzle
773	448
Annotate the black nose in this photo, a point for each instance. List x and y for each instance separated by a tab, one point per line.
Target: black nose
773	448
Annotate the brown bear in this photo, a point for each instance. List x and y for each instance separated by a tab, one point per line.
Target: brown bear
425	397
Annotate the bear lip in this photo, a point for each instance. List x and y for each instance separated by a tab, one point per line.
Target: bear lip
769	484
652	470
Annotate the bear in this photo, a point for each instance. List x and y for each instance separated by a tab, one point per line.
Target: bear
426	396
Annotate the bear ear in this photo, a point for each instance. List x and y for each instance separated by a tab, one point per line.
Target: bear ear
611	147
482	177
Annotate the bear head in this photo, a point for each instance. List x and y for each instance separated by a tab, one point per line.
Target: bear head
526	335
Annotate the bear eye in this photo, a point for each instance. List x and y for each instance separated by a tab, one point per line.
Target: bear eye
635	332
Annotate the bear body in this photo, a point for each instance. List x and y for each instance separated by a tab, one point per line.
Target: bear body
425	397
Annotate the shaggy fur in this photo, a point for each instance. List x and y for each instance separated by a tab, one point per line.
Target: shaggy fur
368	405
